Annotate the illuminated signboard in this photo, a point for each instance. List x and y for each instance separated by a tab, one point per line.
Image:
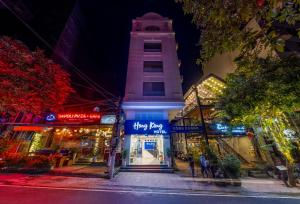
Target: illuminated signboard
79	117
221	128
187	129
108	119
150	145
50	117
146	127
27	128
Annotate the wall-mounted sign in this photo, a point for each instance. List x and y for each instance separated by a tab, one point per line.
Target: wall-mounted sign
224	129
151	127
28	128
50	117
150	145
79	117
187	129
108	119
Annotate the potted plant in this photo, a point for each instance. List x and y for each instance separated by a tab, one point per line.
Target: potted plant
38	164
231	166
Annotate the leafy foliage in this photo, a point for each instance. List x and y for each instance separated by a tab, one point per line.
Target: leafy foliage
4	145
40	161
30	81
223	22
262	92
231	166
261	88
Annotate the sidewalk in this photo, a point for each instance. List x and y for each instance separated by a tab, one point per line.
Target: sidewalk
91	177
81	171
150	182
249	184
184	169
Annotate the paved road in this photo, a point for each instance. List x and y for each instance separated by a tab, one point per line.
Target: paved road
45	195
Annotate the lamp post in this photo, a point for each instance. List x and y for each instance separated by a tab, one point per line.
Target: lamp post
115	141
201	114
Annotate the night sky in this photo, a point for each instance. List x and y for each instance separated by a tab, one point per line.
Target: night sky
102	48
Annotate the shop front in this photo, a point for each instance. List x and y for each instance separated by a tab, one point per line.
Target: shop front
83	137
147	142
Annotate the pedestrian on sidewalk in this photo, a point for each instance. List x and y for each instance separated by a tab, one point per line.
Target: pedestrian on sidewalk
192	164
204	163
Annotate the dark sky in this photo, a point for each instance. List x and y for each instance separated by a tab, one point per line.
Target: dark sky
102	48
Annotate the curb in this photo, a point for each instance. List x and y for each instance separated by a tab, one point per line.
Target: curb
166	190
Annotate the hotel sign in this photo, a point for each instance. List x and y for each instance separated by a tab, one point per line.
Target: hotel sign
145	127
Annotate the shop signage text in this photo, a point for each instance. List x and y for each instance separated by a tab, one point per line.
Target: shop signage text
187	129
74	118
221	128
71	116
146	127
213	129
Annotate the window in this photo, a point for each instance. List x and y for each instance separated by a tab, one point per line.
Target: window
152	47
153	89
152	28
153	66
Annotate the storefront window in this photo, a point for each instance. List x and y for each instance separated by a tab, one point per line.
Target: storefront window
146	150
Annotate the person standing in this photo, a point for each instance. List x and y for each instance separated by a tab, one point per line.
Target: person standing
192	165
203	165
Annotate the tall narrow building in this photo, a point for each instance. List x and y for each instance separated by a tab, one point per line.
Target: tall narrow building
153	92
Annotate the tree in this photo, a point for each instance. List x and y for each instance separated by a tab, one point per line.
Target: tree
29	81
222	23
263	92
260	91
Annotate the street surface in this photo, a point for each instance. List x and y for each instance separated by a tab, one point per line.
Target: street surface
50	195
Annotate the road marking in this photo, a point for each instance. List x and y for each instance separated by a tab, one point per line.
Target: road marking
154	192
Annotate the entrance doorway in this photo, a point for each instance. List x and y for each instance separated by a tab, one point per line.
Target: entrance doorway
146	150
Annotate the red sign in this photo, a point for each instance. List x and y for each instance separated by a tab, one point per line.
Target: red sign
28	128
79	117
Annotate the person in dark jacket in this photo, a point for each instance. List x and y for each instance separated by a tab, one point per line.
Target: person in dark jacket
192	164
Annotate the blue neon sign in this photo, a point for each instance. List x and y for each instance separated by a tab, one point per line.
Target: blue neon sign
150	146
221	128
151	127
50	117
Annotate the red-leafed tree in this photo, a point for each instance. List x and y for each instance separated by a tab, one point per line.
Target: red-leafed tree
29	81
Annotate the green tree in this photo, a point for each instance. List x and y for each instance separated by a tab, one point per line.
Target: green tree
261	91
222	23
264	92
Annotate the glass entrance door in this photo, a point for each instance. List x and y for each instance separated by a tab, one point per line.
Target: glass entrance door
146	150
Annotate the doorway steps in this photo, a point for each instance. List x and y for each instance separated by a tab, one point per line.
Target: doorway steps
83	161
147	168
258	173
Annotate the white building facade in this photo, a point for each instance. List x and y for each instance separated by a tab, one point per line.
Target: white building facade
153	93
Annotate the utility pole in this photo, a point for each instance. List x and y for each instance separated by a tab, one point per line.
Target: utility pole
201	114
115	139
